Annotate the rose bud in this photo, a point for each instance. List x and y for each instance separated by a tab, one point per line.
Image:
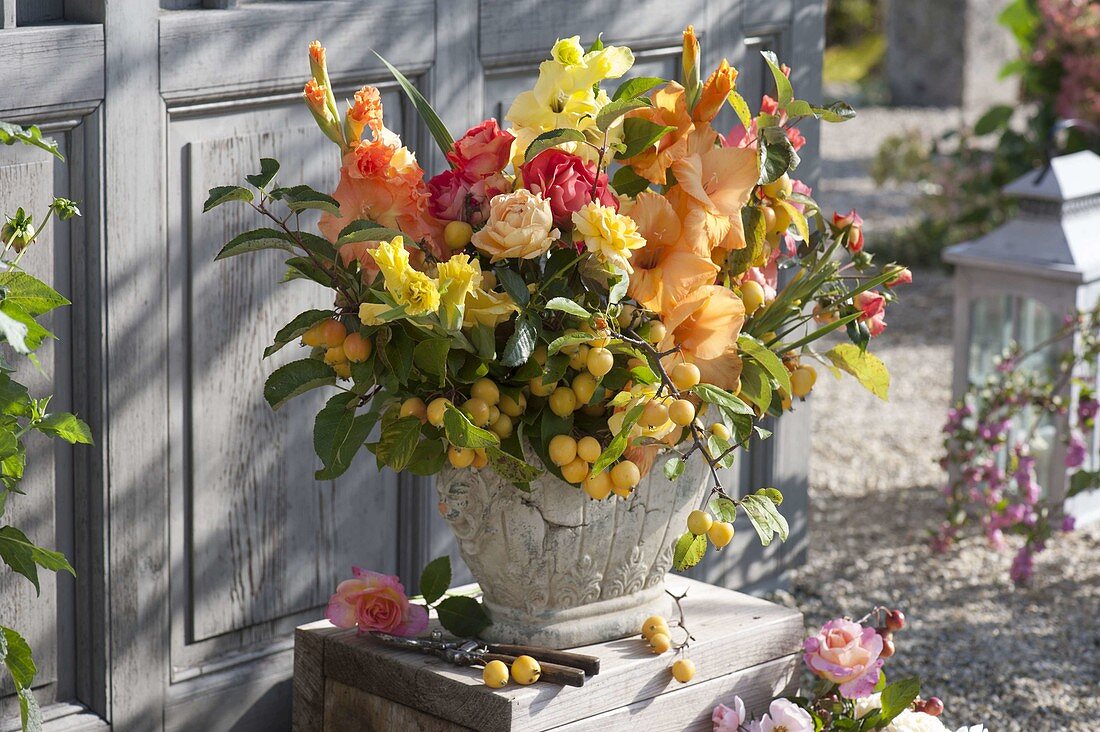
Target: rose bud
895	620
933	706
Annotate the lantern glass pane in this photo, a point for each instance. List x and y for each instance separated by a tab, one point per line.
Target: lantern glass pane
990	333
1036	324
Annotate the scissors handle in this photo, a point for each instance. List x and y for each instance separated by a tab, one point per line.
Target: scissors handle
552	672
589	664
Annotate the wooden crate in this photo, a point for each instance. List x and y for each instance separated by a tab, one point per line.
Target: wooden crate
744	646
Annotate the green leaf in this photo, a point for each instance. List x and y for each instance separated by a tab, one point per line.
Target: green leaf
30	715
797	218
30	293
398	441
430	356
766	358
297	377
741	108
332	425
461	432
66	426
363	230
611	112
550	139
765	518
721	398
1083	480
897	697
674	467
835	112
756	386
14	332
12	133
257	240
435	579
689	551
565	305
784	91
24	557
723	509
435	125
304	198
777	155
640	135
223	194
514	285
269	167
996	118
511	468
296	328
566	340
636	87
753	253
618	443
305	268
866	367
462	616
428	457
627	182
521	344
15	653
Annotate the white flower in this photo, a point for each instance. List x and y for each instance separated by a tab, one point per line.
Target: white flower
972	728
867	704
909	721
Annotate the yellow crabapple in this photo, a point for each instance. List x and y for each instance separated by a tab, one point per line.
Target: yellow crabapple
540	389
502	427
578	360
540	354
784	399
721	431
626	315
683	670
562	449
783	221
342	369
486	390
654	414
335	355
752	295
626	475
457	234
654	624
655	332
681	412
598	485
494	414
495	674
660	643
481	459
315	336
600	361
356	348
779	188
588	449
621	492
526	670
802	381
575	471
685	375
436	409
477	410
414	407
333	333
699	522
461	457
512	407
720	533
563	401
584	386
769	217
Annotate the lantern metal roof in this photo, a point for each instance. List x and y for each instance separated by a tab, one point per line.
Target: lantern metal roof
1056	233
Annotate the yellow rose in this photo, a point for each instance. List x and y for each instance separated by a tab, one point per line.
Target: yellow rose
609	235
520	226
487	308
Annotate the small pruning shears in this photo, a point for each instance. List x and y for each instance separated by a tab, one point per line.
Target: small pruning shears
558	667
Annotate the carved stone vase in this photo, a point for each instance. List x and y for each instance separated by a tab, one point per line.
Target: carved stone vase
560	570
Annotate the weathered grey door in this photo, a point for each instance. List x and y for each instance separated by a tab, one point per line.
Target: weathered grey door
198	532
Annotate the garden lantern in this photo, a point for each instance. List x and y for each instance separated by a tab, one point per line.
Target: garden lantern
1019	282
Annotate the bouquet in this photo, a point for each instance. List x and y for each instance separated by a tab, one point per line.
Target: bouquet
603	279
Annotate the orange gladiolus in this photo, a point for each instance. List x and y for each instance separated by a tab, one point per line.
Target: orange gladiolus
366	111
669	109
712	188
705	327
714	94
668	267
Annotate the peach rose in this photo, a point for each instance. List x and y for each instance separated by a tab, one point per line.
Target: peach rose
520	226
845	653
482	151
374	601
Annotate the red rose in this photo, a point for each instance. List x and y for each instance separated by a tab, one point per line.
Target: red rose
482	151
566	181
452	198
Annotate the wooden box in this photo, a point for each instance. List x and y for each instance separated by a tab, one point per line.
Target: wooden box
743	645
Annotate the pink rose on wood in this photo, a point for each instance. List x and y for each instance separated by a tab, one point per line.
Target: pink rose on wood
566	181
845	653
375	601
726	719
482	151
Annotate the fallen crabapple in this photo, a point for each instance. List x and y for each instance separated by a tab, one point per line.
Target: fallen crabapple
526	670
495	674
654	624
660	642
683	670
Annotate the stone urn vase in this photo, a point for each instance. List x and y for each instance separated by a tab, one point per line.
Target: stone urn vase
560	570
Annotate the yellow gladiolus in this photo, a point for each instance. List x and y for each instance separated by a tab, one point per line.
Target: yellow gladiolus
415	290
457	277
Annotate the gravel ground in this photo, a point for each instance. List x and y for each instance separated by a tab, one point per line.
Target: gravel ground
1014	659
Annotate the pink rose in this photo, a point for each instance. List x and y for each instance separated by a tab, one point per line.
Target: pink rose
566	181
375	601
726	719
851	223
453	198
902	276
873	306
784	716
482	151
845	653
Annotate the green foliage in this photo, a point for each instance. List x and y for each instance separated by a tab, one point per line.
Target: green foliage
423	108
435	578
463	616
15	654
550	139
295	378
689	551
31	135
763	513
866	367
897	697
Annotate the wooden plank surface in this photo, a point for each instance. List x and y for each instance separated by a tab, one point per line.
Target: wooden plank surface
733	632
348	708
46	66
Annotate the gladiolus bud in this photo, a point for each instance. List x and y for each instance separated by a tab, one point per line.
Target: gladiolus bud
690	66
715	92
318	67
316	96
